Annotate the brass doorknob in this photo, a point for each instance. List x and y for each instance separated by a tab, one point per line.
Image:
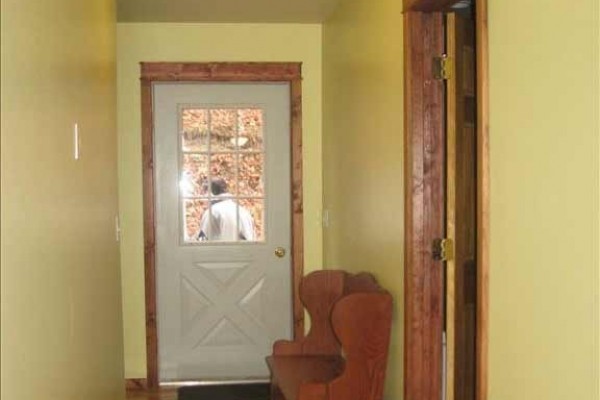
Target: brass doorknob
280	252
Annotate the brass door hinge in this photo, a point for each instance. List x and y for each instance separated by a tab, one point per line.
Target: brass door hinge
443	249
442	67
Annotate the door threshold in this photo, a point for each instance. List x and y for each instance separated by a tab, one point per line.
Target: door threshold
168	384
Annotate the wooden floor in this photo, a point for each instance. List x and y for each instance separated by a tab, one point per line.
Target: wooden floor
165	394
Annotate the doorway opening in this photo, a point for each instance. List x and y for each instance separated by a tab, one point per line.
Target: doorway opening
446	207
226	153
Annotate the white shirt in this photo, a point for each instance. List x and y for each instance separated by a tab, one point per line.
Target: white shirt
221	224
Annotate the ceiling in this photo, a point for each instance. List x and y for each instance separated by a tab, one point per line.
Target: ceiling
290	11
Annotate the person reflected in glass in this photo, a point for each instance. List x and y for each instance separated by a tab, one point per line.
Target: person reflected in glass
219	224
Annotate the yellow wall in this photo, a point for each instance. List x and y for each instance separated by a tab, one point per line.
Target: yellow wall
61	297
362	150
544	205
204	42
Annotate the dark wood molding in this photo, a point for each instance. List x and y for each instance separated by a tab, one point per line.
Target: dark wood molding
136	384
424	206
483	198
428	5
217	72
297	204
220	71
421	302
149	234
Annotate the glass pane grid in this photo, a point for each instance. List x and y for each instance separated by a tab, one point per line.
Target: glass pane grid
228	197
222	173
204	153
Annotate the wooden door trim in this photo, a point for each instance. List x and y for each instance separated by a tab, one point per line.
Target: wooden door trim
428	5
152	72
424	205
136	384
420	122
483	198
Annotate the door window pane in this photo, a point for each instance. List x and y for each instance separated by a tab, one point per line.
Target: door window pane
193	211
253	210
224	166
250	129
194	176
221	173
223	129
194	125
251	175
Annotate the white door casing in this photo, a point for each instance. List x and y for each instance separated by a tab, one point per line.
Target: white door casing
220	305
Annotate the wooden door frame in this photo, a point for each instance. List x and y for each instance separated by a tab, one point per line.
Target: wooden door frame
152	72
423	155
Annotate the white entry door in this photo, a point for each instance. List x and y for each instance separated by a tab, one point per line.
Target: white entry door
222	187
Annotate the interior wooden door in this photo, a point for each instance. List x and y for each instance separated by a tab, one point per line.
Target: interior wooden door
461	211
